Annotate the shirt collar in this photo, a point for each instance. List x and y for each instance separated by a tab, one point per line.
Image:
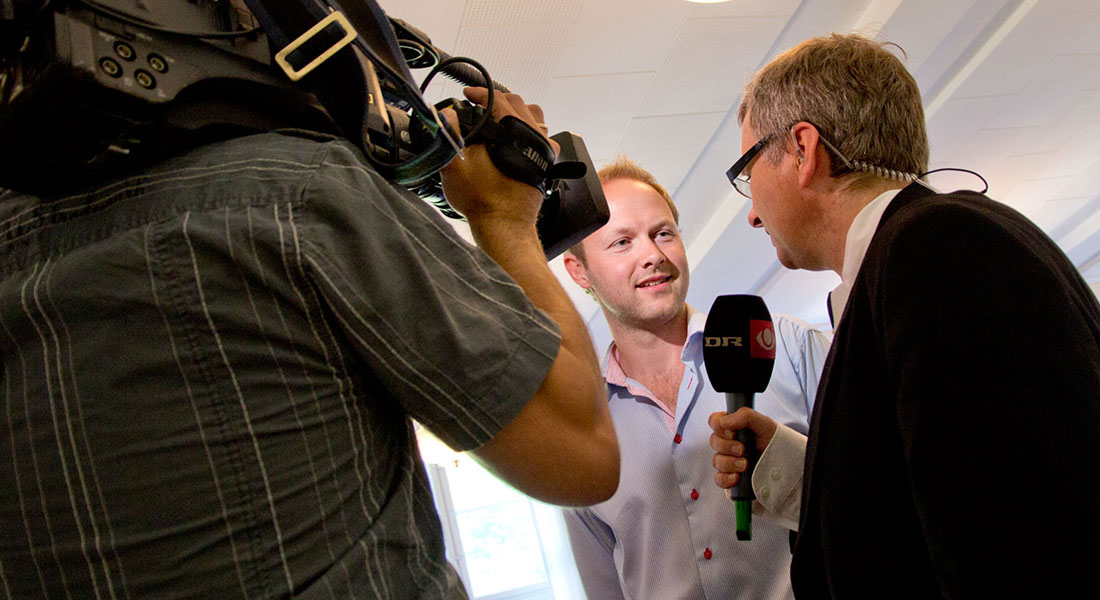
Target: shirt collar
855	248
697	320
613	370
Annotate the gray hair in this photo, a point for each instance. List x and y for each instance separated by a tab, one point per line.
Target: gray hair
856	93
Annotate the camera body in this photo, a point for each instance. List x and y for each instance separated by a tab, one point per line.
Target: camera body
92	89
89	95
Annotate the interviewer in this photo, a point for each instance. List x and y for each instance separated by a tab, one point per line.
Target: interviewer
954	445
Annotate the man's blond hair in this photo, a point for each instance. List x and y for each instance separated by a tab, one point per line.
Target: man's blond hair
624	168
854	91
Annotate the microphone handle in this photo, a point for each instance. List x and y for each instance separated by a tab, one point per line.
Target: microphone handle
742	494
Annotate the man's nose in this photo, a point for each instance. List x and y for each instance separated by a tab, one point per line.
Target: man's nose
754	220
653	256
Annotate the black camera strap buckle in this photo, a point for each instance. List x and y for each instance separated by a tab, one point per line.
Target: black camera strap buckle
313	37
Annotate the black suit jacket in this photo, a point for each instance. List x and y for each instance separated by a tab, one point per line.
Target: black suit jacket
954	447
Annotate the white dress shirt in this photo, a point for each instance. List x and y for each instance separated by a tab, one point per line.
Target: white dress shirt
777	479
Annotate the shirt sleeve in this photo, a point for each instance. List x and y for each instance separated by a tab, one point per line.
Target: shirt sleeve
777	478
593	545
431	319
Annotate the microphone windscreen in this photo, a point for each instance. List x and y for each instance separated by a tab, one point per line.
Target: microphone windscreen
739	344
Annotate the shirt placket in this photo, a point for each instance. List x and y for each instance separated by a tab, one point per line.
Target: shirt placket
685	454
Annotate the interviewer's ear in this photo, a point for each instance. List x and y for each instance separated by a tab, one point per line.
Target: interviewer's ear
805	138
576	270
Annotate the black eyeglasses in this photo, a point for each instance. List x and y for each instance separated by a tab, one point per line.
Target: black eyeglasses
741	182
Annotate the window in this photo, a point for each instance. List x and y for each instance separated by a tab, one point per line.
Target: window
504	545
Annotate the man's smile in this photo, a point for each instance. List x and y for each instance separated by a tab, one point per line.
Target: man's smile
655	281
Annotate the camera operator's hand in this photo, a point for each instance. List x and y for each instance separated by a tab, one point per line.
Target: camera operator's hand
474	186
568	418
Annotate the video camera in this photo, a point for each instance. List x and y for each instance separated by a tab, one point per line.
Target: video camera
93	89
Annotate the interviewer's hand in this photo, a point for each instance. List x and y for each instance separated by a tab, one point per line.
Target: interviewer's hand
729	461
474	186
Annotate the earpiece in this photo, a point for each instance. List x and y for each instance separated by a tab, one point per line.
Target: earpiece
866	167
883	171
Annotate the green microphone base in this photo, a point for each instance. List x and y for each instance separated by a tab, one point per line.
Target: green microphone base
742	514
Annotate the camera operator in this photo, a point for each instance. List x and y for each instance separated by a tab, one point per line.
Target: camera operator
210	369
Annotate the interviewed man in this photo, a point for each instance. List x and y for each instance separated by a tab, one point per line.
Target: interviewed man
953	447
668	532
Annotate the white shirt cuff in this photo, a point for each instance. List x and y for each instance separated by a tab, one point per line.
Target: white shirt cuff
777	478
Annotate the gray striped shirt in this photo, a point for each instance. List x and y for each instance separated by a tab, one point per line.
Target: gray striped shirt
209	370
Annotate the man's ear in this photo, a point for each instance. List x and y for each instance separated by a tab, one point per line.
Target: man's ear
809	152
576	270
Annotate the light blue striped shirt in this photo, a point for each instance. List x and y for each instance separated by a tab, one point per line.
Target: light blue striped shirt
667	533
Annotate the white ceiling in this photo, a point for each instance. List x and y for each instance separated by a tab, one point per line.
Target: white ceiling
1011	90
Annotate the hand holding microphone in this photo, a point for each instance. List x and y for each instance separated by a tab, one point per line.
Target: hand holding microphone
729	461
739	352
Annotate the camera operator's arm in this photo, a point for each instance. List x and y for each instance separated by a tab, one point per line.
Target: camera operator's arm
561	448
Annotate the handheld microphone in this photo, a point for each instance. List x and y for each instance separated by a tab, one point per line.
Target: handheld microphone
739	352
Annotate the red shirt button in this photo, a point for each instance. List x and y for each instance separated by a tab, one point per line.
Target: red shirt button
707	554
677	439
694	494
